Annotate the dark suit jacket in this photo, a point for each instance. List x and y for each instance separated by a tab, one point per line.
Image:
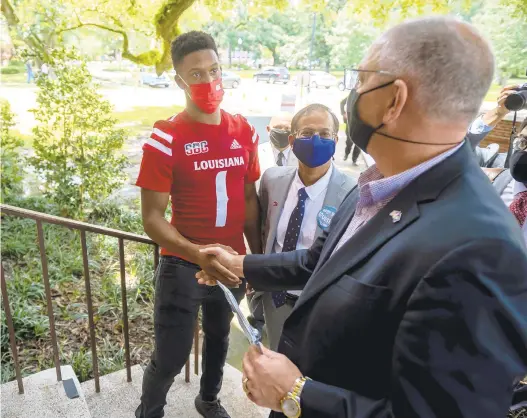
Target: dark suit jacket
425	317
343	106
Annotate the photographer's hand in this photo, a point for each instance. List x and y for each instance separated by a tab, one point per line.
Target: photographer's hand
494	116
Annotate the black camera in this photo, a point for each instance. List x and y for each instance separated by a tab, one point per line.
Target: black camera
517	100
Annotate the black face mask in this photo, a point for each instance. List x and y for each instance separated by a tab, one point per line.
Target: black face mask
279	138
518	166
360	132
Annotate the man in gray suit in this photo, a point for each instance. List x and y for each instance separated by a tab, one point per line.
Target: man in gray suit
325	187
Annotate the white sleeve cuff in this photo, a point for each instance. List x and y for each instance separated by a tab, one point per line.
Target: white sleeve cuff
478	127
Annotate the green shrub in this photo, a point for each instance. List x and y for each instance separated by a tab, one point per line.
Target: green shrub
12	162
21	257
11	70
77	146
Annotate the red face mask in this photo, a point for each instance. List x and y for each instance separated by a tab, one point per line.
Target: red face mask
207	96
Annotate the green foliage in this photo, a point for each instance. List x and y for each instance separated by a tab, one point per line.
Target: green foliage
12	162
11	70
76	143
349	41
21	257
510	45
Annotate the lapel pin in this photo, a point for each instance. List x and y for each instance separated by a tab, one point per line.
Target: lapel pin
275	203
396	215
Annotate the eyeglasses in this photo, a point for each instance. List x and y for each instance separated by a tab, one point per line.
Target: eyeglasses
354	78
323	133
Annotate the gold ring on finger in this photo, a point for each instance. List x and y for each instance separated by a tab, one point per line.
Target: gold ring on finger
245	387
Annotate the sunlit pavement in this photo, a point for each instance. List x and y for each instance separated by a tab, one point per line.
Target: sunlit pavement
250	98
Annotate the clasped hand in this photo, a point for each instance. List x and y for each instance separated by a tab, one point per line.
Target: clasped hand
218	263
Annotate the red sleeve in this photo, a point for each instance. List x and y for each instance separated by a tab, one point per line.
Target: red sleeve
157	163
252	138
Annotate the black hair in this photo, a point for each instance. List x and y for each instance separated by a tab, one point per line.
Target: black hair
315	107
190	42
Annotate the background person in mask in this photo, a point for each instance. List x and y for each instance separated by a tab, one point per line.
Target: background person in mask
276	152
414	302
205	160
298	204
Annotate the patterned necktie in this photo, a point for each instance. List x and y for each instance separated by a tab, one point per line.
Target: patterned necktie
519	207
291	237
280	159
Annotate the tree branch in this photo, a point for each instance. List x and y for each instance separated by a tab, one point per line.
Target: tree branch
147	58
32	41
166	24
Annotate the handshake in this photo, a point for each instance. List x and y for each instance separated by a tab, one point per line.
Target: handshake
219	263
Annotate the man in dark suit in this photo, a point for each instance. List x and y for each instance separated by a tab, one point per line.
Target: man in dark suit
416	298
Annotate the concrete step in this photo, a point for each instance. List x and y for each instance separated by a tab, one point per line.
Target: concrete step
43	397
180	400
119	399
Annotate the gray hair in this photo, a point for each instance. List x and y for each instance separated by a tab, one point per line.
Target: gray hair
447	64
314	107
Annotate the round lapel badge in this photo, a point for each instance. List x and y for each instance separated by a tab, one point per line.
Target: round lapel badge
325	216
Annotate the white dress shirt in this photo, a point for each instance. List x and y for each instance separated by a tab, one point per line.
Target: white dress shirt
478	126
285	152
518	188
316	194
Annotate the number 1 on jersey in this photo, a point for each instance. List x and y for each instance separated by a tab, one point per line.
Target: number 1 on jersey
221	199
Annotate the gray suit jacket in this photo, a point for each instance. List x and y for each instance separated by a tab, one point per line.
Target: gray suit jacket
274	188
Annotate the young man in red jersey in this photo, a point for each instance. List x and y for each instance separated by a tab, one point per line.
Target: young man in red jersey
206	161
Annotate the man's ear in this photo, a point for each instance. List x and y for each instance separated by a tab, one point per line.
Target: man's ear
398	103
291	140
268	128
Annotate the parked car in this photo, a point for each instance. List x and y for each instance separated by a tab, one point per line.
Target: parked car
322	79
153	80
273	75
230	80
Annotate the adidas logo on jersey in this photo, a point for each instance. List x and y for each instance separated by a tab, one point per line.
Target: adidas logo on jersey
235	144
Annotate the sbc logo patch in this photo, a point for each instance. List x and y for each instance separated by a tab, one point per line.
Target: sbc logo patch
194	148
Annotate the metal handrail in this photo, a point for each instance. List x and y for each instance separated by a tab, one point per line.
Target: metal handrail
70	223
83	227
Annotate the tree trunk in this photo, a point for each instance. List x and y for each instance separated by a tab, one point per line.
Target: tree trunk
275	56
35	44
167	28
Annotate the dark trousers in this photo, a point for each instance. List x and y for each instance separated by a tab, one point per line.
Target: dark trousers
178	297
349	144
255	302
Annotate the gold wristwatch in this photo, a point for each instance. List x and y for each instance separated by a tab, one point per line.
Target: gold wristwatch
290	404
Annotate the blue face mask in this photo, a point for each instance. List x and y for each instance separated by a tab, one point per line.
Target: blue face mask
314	151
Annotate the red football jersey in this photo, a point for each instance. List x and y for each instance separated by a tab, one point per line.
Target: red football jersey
205	168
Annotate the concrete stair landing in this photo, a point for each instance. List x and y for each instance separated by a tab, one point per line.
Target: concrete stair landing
43	397
119	399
